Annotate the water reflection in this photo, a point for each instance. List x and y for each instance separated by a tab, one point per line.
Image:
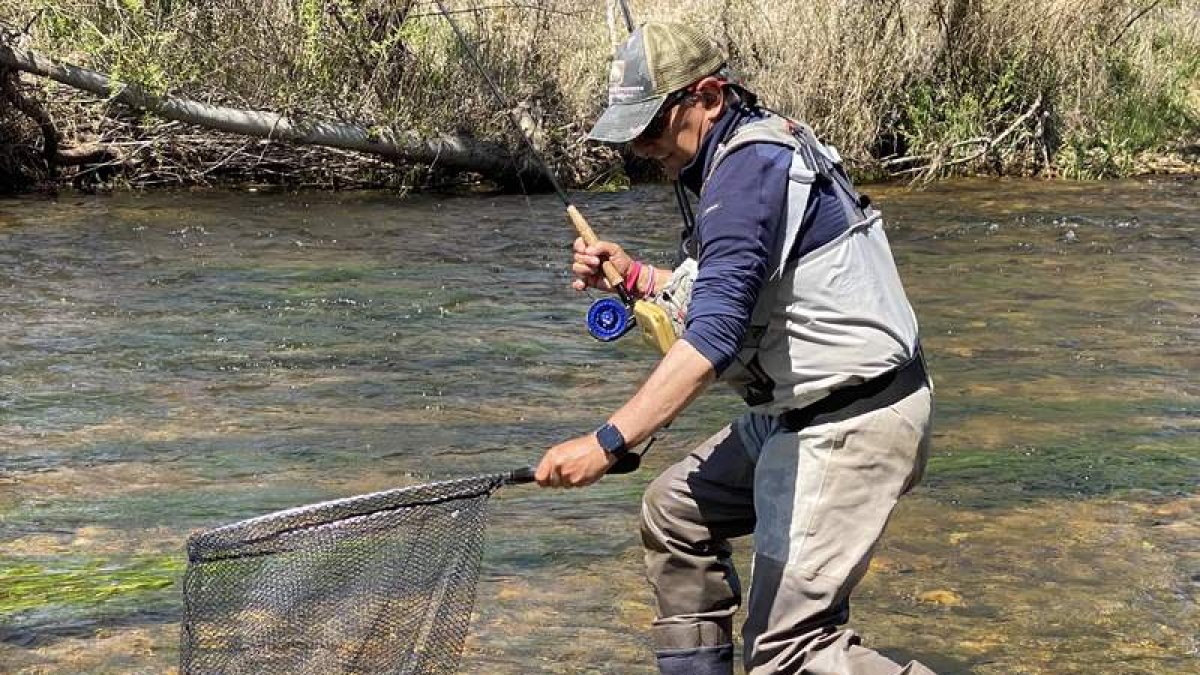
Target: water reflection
176	361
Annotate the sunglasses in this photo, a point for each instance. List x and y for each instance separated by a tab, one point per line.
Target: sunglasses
658	123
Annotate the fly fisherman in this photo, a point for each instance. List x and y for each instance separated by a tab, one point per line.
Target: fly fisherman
795	302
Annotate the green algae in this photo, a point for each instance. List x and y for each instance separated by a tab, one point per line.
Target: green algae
205	505
335	275
524	348
81	583
1092	466
1123	413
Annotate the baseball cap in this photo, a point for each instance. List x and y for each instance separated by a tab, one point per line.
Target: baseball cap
657	59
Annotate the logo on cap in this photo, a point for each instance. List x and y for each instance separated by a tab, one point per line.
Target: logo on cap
616	74
618	90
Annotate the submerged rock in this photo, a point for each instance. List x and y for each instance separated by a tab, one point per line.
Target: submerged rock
944	597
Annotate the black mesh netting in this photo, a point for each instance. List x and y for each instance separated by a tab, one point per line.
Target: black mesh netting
381	583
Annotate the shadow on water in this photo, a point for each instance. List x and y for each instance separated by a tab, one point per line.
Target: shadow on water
34	635
174	362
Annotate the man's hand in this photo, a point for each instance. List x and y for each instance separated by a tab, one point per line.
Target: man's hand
578	462
586	266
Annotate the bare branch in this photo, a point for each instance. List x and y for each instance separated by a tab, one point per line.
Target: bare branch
1132	20
938	161
480	8
454	152
31	109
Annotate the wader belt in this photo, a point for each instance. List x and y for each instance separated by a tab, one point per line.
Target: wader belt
878	392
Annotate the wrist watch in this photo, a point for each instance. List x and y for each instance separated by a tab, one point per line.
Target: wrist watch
612	440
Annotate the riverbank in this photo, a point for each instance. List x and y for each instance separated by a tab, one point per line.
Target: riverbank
1079	89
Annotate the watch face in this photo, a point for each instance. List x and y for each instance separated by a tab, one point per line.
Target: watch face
610	439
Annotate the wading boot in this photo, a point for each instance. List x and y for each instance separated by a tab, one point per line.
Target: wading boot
696	661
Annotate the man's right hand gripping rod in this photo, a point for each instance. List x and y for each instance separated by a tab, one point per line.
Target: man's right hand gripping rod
656	325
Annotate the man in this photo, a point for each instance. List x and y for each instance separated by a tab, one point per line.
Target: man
797	304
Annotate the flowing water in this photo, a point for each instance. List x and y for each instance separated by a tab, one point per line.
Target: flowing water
175	361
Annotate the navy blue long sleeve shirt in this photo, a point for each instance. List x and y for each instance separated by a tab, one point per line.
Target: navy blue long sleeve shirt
740	214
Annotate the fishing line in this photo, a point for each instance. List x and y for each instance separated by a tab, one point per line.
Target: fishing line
608	319
509	110
621	321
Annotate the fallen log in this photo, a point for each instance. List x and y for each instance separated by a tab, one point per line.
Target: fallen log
88	153
442	151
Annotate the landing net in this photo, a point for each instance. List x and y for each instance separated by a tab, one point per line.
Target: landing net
380	583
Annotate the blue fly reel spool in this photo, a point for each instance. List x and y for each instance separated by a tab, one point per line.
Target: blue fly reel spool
608	319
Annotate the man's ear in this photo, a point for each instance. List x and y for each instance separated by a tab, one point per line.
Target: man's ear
712	96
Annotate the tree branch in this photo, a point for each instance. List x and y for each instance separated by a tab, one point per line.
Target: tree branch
35	112
987	144
453	152
1132	20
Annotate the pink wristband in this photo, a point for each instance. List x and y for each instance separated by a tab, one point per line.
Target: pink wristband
631	276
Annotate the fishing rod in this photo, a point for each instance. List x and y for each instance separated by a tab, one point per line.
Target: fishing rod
607	318
628	15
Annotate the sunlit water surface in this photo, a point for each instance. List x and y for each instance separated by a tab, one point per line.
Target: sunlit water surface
176	361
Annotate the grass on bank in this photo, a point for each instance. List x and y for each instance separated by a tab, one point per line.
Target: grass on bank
1071	88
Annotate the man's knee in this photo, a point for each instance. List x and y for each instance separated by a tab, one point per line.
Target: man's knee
664	510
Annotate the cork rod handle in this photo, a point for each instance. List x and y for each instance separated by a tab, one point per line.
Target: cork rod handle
589	237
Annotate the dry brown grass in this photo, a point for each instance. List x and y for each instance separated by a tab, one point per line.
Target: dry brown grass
878	78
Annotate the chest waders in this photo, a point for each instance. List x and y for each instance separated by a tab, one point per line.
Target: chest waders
811	161
831	317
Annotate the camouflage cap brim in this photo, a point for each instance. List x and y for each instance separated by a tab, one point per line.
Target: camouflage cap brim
622	122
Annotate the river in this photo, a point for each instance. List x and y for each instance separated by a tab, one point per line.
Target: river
174	361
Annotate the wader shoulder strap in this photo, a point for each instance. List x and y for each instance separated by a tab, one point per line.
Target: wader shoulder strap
828	163
800	182
802	173
772	129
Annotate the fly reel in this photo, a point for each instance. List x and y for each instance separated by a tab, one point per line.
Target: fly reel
609	319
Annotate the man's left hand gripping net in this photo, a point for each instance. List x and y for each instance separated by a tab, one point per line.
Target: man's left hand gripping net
380	583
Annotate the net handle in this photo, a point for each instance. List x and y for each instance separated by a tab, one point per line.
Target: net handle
627	464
